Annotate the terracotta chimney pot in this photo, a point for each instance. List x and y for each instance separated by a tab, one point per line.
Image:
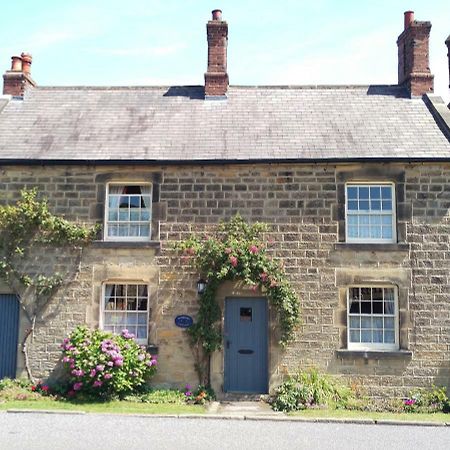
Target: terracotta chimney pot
16	63
27	59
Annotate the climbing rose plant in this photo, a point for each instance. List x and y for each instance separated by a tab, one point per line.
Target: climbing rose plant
100	364
28	228
236	251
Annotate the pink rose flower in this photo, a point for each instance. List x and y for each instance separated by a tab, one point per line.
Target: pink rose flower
233	261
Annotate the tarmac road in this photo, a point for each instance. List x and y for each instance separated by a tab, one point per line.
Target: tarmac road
35	431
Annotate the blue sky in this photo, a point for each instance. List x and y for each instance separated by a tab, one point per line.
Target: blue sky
163	42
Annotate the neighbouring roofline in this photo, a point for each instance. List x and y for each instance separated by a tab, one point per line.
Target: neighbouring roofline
241	86
440	112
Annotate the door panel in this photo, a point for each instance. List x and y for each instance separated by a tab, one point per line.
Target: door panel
9	331
245	345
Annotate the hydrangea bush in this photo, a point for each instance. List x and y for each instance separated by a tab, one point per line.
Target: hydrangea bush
100	364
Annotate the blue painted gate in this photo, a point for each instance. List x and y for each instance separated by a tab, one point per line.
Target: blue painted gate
9	333
246	367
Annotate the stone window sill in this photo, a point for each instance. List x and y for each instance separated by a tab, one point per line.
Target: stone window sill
374	354
357	247
127	244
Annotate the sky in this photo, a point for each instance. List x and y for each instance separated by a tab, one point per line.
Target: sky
163	42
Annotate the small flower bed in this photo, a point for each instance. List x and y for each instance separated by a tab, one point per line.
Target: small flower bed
100	364
427	400
199	396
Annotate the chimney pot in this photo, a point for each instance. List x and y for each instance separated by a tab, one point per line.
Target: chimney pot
217	14
27	59
16	63
409	18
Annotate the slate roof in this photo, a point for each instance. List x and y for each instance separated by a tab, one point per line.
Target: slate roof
173	124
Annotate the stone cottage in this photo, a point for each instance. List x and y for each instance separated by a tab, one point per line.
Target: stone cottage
354	182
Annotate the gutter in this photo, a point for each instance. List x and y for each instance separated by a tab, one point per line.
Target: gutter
214	162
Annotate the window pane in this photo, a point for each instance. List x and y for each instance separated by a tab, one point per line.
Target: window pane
141	332
363	193
377	336
364	231
375	232
353	205
366	336
142	304
375	192
366	322
355	335
377	307
387	232
375	205
142	318
378	323
131	319
144	230
352	220
145	214
386	220
389	337
364	205
366	293
355	322
389	323
352	192
387	205
386	192
354	306
135	201
366	308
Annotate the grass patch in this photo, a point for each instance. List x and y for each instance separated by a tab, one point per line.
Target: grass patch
114	406
345	414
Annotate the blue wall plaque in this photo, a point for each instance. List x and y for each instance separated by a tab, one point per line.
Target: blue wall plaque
184	321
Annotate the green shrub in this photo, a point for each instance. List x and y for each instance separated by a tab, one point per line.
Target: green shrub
310	389
100	364
20	389
434	399
200	396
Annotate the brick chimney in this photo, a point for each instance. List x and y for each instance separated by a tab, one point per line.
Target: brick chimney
447	43
216	77
18	79
413	56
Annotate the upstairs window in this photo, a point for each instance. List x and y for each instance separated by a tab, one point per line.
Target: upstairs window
372	318
370	213
128	212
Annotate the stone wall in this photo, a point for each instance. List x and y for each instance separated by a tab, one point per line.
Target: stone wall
303	205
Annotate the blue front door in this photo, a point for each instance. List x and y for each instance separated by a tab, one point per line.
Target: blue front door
245	345
9	331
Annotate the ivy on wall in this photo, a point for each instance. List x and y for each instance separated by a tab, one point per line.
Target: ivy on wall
235	251
29	226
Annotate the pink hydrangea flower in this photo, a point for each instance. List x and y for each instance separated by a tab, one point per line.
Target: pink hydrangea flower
92	373
97	383
253	249
99	367
77	386
108	376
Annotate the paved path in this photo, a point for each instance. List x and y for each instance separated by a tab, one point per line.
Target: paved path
38	431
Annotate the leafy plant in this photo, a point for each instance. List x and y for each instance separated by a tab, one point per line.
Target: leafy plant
434	399
310	389
200	396
26	226
100	364
235	251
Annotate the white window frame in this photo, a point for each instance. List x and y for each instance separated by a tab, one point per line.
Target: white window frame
126	283
377	346
106	218
370	240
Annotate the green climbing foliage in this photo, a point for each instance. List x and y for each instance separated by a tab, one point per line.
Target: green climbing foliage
27	226
236	251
